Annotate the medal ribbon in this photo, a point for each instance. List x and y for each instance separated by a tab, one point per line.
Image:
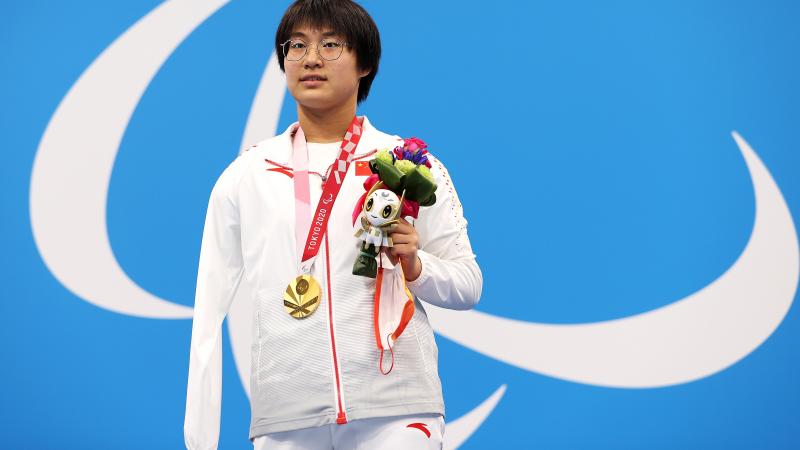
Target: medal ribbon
318	223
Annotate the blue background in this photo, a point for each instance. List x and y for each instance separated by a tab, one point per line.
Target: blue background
612	118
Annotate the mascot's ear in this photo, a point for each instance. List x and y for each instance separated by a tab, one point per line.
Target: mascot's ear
375	187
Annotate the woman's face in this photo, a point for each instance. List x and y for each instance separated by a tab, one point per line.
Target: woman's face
317	83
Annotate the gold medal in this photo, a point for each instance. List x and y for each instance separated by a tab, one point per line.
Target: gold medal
301	298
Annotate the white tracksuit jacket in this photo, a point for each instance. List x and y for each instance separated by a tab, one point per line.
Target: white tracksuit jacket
312	371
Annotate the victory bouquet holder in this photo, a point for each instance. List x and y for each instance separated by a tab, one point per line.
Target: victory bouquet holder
400	183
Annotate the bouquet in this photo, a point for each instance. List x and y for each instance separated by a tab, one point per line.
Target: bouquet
400	183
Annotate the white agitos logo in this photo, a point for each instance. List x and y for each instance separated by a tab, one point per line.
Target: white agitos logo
689	339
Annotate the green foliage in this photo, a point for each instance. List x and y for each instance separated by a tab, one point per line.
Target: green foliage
425	172
384	156
405	166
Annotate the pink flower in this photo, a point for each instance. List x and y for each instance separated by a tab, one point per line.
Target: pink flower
413	144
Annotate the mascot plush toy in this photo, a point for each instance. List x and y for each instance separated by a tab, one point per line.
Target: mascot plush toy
380	213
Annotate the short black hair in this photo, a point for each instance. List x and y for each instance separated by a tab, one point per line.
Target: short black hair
344	17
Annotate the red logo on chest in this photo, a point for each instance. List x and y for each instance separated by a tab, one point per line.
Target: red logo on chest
420	426
286	172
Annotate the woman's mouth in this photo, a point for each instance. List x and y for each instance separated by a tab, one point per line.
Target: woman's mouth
312	80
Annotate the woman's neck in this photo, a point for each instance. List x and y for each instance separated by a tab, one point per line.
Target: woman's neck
325	126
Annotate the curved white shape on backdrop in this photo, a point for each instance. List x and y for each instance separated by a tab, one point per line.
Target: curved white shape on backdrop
684	341
458	431
73	164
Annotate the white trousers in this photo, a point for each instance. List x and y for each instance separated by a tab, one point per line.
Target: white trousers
409	432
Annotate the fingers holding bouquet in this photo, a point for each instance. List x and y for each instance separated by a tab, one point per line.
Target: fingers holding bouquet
404	248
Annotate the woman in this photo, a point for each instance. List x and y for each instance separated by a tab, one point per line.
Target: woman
325	372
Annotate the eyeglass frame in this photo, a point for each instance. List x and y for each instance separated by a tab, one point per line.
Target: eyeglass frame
285	52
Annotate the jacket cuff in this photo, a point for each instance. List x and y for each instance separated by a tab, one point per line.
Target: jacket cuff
424	274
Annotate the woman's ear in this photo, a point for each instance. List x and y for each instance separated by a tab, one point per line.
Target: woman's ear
363	73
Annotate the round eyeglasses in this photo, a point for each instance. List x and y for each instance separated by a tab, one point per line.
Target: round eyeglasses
327	49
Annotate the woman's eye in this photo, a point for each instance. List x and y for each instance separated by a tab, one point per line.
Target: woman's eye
387	211
297	45
369	205
330	44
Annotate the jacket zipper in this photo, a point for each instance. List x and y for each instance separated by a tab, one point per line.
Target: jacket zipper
341	417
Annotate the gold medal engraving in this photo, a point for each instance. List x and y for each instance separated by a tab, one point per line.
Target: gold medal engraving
301	298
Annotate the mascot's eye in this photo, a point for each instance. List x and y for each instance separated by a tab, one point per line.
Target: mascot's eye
369	204
387	211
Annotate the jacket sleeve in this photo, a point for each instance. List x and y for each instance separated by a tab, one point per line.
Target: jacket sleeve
450	276
219	274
